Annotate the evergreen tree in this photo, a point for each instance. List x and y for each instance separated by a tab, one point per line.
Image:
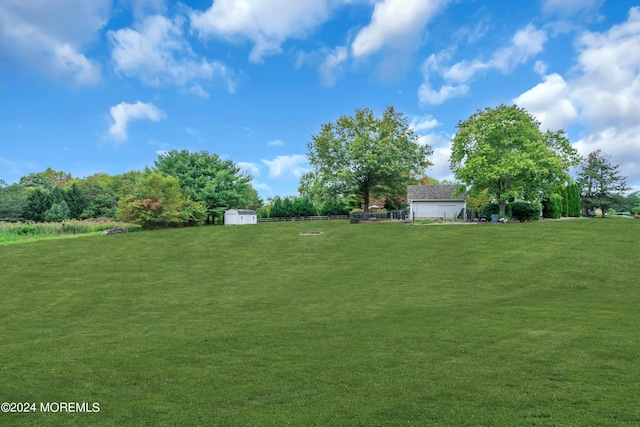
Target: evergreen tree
57	213
76	201
38	202
599	180
565	200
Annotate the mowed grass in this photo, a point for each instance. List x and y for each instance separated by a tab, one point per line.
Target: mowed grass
367	325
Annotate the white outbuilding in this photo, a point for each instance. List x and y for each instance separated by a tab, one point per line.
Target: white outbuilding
240	217
435	201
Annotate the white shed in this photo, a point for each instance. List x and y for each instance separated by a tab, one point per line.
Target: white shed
435	201
240	217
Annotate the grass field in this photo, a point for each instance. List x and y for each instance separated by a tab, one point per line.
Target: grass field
366	325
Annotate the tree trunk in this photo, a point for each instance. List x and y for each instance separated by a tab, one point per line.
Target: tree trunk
366	201
503	208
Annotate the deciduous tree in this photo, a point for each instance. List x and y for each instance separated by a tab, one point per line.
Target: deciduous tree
364	155
219	184
503	150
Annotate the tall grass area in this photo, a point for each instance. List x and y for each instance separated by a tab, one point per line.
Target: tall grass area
366	325
20	232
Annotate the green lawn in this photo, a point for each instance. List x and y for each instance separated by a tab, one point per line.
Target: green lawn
374	324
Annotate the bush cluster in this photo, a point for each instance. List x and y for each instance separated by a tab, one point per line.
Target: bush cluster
525	211
10	230
552	206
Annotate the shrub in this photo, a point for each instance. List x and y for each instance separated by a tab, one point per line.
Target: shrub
338	207
552	206
489	209
525	211
58	212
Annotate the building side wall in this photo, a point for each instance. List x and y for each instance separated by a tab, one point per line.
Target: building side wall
436	209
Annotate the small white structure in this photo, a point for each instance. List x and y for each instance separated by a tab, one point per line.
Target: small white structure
435	201
240	217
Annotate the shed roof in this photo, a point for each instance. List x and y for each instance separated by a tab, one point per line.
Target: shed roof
241	211
433	192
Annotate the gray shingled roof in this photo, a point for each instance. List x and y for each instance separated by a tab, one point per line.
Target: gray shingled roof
433	192
244	211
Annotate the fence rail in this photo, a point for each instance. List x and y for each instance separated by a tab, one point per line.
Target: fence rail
357	217
305	218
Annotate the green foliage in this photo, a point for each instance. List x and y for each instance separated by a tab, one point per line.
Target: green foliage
482	198
525	211
565	200
103	206
363	155
504	151
75	200
488	209
335	207
552	206
599	180
13	202
20	232
38	202
303	206
278	209
157	202
45	180
573	200
58	212
218	184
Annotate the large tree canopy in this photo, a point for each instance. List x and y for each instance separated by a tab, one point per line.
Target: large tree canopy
599	180
219	184
364	155
503	150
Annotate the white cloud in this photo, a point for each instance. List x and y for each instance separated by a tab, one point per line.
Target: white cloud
49	36
569	7
156	52
428	95
621	144
419	124
607	87
250	168
295	165
549	102
332	65
395	23
276	143
525	43
602	93
124	113
267	24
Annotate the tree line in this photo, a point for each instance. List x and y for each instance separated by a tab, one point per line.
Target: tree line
498	155
181	188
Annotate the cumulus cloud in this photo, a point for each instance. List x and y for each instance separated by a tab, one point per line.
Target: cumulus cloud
266	24
250	168
419	124
603	93
549	102
525	44
156	51
50	36
124	113
395	23
294	165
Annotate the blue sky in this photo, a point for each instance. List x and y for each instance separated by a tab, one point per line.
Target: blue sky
106	85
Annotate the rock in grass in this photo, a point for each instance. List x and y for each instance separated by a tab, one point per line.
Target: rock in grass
114	231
